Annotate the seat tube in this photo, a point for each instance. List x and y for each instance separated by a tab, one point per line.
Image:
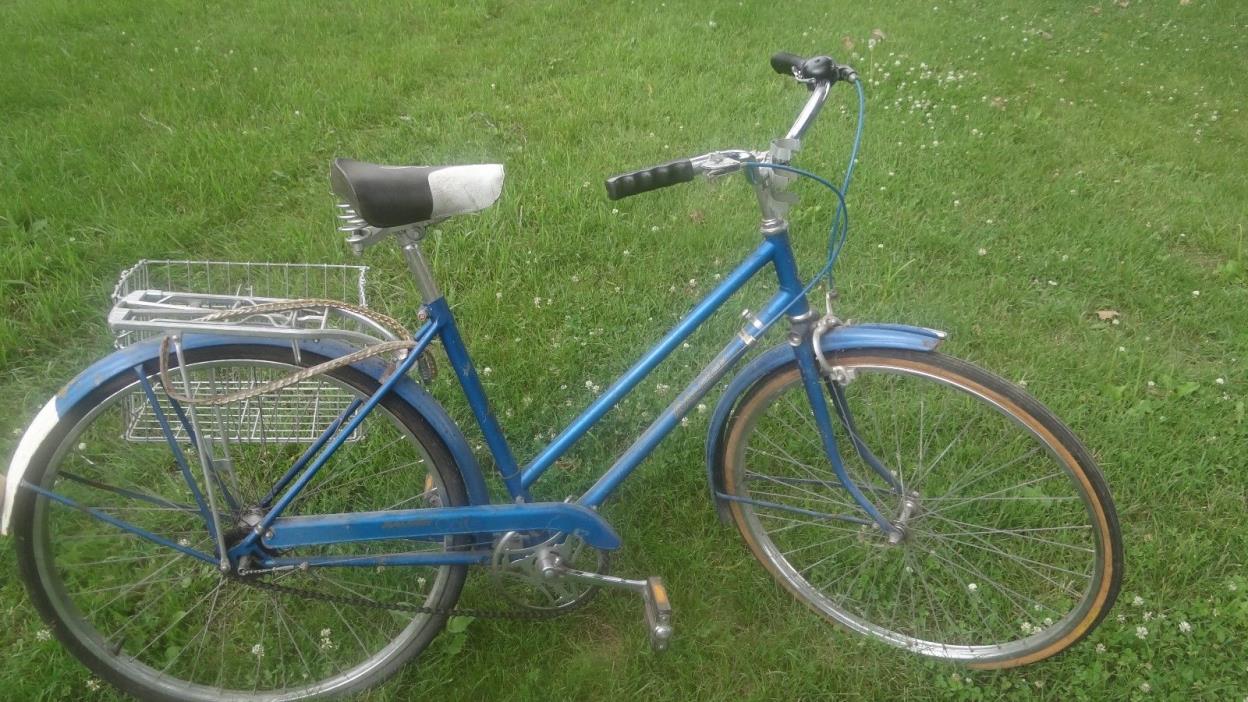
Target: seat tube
461	363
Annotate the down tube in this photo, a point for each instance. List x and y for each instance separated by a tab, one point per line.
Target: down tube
761	256
685	401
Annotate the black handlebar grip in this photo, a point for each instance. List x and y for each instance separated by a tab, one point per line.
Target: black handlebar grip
785	63
652	178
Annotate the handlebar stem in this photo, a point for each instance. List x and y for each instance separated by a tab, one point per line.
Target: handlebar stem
806	117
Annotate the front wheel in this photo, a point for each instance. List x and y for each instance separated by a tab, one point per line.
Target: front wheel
1011	550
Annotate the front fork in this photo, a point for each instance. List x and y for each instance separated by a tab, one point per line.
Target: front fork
813	380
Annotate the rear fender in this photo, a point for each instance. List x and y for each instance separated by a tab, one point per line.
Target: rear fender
109	367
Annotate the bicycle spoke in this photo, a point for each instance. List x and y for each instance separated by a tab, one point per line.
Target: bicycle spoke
1016	533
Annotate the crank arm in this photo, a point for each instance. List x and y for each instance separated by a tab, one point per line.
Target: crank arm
652	591
559	571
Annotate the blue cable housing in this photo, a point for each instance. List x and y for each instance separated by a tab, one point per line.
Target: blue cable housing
839	231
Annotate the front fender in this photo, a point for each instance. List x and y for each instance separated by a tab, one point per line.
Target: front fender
124	360
850	336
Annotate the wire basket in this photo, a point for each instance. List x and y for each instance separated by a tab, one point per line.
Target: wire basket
156	296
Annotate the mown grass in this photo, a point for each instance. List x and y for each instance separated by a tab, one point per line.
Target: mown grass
1026	165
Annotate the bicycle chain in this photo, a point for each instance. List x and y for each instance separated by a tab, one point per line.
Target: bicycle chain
516	614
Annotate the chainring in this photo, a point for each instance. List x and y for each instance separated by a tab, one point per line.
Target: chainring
518	578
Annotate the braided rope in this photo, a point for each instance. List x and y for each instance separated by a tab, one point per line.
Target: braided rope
383	347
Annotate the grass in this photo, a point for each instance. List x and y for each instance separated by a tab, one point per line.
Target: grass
1027	165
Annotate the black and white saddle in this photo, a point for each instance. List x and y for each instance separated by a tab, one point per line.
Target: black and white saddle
393	196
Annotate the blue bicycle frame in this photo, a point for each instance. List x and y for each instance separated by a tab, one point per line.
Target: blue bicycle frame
290	532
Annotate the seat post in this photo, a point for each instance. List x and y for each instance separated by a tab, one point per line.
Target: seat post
409	239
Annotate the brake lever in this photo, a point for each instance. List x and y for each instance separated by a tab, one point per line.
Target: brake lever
721	163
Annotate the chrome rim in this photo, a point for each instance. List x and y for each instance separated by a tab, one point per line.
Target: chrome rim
1001	554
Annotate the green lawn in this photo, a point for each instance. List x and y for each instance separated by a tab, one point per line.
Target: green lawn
1060	185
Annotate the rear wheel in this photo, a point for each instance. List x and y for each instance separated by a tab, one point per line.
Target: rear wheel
163	625
1011	550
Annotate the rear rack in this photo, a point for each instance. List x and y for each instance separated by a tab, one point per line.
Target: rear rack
153	298
158	297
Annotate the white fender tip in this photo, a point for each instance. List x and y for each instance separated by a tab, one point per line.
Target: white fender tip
35	434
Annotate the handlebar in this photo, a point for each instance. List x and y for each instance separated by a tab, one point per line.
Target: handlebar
786	64
814	69
652	178
817	73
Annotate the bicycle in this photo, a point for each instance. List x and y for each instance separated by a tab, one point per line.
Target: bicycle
903	494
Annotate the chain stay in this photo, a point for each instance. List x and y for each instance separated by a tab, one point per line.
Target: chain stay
405	607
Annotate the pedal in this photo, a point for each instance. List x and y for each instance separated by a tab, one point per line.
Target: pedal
658	613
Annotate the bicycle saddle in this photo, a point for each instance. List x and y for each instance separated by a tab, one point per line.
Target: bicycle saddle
392	196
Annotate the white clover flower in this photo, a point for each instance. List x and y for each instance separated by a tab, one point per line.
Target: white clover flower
93	685
83	446
972	587
1100	648
1185	627
258	650
1148	616
1145	687
1220	381
487	370
684	421
1138	601
1025	627
43	635
701	407
1141	632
